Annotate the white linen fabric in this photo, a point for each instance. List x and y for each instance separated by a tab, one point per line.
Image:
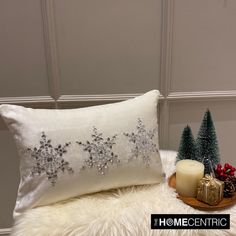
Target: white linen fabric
66	153
120	212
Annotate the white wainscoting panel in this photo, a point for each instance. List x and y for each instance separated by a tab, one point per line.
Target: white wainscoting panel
204	52
23	69
108	44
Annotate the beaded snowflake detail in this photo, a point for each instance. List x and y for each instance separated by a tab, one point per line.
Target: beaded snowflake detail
49	159
100	153
142	142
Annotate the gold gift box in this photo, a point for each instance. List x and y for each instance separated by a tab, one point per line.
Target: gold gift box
210	190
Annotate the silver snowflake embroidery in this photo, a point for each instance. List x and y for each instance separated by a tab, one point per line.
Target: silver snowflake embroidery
100	153
49	159
143	143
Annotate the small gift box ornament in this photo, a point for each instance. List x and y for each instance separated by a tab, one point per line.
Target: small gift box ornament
210	190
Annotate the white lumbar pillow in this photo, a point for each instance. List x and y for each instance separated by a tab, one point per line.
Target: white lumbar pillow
67	153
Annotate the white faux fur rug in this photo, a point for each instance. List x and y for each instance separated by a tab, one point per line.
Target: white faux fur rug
122	212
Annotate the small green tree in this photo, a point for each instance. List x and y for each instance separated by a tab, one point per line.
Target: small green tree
187	147
207	145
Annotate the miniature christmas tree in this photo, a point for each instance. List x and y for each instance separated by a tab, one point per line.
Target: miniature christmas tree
187	147
207	145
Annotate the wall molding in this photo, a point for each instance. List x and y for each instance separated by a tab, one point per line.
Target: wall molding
172	97
166	45
5	231
164	124
166	66
51	50
202	96
23	100
99	97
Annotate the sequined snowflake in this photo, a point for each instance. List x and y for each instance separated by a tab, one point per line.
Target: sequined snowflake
143	143
49	159
100	153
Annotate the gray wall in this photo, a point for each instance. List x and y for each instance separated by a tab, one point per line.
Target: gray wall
63	54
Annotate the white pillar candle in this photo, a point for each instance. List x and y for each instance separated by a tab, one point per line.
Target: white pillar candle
188	173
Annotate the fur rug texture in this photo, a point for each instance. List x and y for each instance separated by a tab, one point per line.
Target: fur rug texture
120	212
